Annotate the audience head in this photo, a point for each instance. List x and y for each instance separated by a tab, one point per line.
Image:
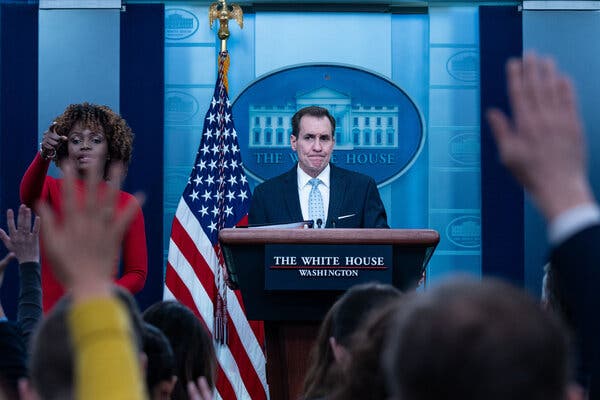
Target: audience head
330	353
160	369
467	339
363	378
104	125
191	343
51	365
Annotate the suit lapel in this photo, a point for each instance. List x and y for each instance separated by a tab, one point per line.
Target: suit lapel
290	192
337	189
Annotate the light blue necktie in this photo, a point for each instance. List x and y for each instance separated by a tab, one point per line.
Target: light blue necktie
315	203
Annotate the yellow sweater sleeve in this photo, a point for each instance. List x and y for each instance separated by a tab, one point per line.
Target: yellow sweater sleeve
106	361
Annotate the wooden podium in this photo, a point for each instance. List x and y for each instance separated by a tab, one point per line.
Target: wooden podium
292	316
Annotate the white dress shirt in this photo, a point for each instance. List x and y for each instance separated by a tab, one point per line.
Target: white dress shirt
572	221
304	190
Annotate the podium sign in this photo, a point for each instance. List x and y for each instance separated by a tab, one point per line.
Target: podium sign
245	251
325	267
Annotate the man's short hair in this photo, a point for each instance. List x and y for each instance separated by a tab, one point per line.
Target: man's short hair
476	340
313	111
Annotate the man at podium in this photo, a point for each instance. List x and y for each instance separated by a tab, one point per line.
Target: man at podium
314	189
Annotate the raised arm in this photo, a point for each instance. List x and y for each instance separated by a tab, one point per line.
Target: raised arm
543	145
23	242
32	185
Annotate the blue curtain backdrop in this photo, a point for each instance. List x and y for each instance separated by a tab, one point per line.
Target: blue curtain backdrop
502	198
18	117
142	105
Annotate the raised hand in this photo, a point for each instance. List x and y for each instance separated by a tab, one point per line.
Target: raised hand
50	142
543	143
22	240
84	245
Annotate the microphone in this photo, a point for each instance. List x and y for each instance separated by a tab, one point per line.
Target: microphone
319	223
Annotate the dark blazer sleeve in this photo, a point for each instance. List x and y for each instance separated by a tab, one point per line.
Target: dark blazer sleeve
576	263
29	308
258	213
374	211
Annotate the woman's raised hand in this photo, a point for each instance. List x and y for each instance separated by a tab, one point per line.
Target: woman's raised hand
50	143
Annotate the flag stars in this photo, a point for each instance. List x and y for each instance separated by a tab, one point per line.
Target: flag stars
233	164
205	149
207	195
229	210
212	226
201	165
213	102
203	210
208	133
243	179
234	148
232	180
215	149
227	117
194	195
210	180
198	180
230	195
243	195
215	211
211	118
213	164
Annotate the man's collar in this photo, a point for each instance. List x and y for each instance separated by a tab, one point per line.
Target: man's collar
324	176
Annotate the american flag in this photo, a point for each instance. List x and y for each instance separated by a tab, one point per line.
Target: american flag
217	196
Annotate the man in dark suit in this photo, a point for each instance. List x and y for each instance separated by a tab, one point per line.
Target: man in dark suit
343	198
542	144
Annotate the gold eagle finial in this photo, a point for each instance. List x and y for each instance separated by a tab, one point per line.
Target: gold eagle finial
223	12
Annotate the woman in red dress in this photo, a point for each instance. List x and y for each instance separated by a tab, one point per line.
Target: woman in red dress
91	137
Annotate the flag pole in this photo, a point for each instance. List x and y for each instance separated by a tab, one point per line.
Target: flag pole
223	12
217	196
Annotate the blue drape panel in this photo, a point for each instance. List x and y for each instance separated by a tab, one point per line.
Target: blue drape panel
18	117
141	104
501	37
